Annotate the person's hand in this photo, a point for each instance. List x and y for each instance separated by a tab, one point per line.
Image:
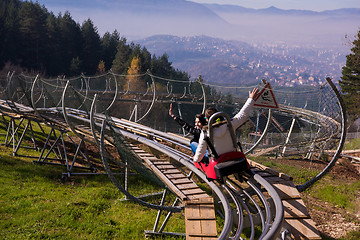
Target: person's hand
170	111
254	93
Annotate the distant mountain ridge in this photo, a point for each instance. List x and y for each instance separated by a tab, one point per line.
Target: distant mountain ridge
136	19
142	18
275	10
154	8
292	26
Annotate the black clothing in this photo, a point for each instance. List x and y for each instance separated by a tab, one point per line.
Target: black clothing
189	128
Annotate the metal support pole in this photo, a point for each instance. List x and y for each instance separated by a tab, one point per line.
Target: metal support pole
27	128
13	134
78	150
75	155
21	138
46	142
257	126
288	136
33	136
3	121
65	153
160	211
51	147
134	113
167	217
8	131
126	177
58	153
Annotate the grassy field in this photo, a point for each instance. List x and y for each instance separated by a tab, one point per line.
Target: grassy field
352	144
35	204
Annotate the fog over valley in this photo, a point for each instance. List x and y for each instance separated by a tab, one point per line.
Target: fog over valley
237	42
139	19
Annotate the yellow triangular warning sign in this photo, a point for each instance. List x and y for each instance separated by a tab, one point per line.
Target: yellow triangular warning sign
266	98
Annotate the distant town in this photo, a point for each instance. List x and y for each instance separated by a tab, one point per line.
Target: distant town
301	65
233	62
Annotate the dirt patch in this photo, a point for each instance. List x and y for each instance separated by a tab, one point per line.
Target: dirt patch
332	221
343	168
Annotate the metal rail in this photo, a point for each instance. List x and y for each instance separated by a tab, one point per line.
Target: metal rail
245	207
269	232
340	146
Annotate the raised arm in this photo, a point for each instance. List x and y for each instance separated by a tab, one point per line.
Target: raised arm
243	114
170	111
254	93
188	127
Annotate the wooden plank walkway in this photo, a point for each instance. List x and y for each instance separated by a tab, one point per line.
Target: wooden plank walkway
200	220
175	179
297	218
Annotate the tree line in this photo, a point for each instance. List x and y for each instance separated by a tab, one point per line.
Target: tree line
37	40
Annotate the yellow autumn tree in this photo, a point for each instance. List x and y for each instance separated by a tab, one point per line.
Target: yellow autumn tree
101	67
137	83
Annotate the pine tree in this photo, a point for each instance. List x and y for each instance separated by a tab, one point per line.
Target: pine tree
32	19
9	24
145	56
109	43
75	66
53	55
71	42
91	48
350	80
119	64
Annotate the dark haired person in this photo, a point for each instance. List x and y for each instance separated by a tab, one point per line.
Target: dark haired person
222	140
200	122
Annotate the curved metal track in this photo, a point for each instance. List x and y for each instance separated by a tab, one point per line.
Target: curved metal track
253	202
270	225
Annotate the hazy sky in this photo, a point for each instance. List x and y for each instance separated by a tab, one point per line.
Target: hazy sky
315	5
236	27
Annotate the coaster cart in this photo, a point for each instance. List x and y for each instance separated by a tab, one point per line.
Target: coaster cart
219	167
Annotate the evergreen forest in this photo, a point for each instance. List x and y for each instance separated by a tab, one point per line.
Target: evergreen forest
38	41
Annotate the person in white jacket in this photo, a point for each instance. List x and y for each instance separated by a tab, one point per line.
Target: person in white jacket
222	140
